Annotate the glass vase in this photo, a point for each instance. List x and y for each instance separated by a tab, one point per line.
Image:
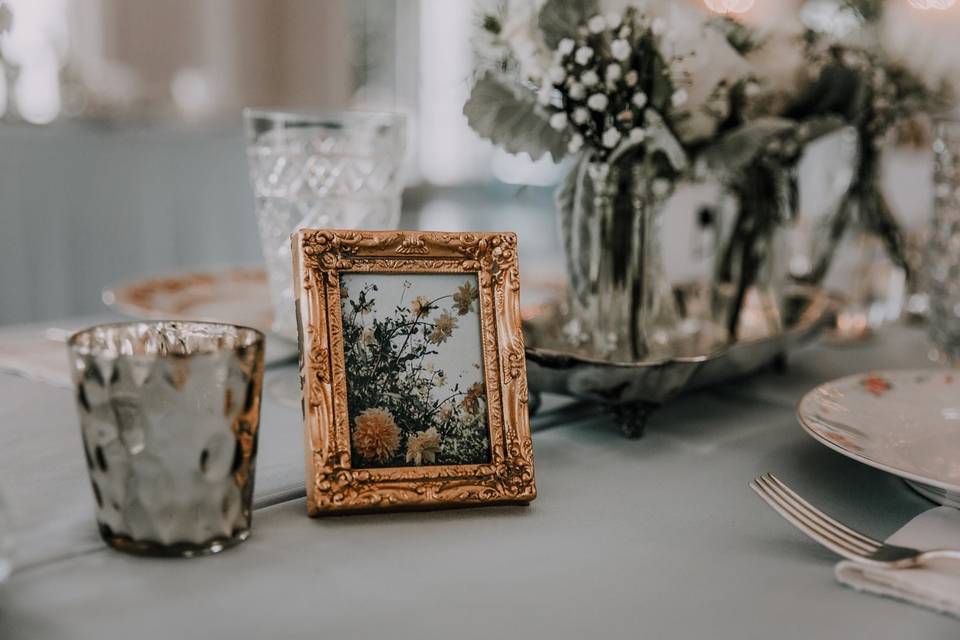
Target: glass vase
750	267
857	247
622	303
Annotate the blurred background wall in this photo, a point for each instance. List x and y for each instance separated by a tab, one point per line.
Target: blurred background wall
122	150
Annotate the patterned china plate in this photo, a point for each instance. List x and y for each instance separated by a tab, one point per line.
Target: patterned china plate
905	422
239	295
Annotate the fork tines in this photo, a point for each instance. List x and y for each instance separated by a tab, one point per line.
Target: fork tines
832	534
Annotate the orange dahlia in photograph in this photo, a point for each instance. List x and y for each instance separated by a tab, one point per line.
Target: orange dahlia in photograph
376	435
471	401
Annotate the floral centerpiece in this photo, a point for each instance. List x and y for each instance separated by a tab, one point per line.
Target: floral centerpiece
810	83
878	95
628	94
642	96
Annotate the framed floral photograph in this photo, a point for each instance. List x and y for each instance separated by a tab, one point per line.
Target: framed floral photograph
413	371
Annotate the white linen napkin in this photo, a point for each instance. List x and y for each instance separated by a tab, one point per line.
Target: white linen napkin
936	586
39	352
36	353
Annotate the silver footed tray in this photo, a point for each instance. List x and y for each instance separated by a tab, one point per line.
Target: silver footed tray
631	390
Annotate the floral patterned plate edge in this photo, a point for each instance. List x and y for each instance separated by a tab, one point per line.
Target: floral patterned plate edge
904	422
239	295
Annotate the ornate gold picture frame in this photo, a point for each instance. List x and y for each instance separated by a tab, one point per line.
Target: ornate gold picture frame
361	294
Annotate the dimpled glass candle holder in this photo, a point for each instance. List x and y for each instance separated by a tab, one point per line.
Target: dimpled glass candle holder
169	413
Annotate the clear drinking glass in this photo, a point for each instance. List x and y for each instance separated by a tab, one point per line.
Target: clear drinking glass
943	248
169	413
338	171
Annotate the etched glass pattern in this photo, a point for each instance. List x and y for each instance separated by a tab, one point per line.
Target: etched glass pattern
330	172
169	413
943	257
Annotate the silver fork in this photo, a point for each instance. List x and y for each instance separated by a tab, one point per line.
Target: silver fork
838	537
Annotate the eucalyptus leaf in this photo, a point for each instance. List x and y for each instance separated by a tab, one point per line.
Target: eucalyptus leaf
735	150
509	116
559	19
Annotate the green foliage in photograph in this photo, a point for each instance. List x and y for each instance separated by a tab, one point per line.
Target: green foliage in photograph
404	409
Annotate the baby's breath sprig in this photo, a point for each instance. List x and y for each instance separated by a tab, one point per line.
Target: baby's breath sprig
604	78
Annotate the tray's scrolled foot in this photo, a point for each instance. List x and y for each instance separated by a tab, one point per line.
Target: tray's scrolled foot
633	418
780	364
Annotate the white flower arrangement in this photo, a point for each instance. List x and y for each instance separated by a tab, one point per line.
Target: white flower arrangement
573	78
597	83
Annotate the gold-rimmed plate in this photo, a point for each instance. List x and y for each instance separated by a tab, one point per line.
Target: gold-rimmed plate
238	295
904	422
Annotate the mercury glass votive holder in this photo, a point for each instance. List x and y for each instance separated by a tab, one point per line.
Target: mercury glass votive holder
169	414
323	170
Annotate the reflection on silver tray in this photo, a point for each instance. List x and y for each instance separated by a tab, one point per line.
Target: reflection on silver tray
632	389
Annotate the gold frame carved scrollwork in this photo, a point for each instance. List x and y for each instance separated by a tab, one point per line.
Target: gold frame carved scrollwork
319	256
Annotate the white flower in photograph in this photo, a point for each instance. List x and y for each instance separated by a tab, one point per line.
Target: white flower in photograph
583	55
565	46
610	138
575	144
577	91
639	99
613	72
658	26
596	24
613	20
679	98
589	78
598	102
559	121
557	74
580	115
423	447
631	78
624	32
620	49
637	135
367	337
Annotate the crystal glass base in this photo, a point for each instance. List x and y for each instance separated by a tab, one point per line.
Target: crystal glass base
175	550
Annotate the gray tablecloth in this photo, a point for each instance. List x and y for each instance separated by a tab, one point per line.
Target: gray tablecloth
654	538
